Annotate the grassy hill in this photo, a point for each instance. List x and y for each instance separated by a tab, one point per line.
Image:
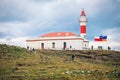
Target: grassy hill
21	64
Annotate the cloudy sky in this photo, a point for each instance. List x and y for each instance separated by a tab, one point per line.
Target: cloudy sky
23	19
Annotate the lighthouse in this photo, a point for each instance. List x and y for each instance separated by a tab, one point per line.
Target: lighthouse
83	21
62	40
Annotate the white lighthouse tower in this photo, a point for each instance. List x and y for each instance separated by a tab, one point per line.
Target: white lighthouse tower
83	21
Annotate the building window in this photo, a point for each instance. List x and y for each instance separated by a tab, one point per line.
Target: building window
42	45
53	45
64	45
100	47
85	45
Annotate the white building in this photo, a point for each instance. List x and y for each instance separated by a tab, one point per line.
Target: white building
98	45
62	40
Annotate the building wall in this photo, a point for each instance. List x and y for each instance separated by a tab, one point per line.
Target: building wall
59	44
96	45
34	44
71	43
85	45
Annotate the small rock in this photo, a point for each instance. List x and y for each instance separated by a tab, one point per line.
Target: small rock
89	72
82	72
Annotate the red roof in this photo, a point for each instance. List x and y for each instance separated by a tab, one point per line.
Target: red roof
55	34
83	13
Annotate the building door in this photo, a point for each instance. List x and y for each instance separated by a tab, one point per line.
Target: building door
53	45
64	45
42	45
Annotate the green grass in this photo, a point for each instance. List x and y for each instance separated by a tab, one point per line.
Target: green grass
20	64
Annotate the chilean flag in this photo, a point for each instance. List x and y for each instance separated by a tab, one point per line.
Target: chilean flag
100	38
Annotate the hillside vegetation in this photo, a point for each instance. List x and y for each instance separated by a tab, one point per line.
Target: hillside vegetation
21	64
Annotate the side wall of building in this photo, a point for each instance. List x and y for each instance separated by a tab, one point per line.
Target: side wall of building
33	44
99	45
57	44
